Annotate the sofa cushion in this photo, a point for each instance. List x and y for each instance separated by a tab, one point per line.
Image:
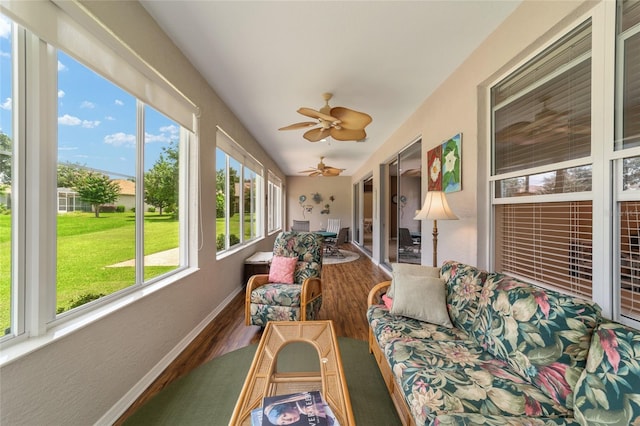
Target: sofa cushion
464	285
452	376
543	334
489	420
608	391
387	327
277	294
400	271
421	298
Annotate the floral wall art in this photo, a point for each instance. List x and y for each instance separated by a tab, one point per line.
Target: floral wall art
445	165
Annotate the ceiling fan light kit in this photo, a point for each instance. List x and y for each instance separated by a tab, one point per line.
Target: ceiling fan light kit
342	124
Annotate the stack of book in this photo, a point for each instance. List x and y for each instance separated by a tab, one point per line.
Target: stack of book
304	408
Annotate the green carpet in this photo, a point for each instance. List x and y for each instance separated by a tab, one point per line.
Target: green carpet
208	394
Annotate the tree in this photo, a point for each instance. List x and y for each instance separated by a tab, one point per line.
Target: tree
161	181
220	191
6	155
97	189
69	175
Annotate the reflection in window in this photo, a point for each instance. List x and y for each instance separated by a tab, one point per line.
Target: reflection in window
576	179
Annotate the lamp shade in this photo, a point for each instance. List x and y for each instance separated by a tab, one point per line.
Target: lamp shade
435	207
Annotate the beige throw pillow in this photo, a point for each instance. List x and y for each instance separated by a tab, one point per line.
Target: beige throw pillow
422	298
400	270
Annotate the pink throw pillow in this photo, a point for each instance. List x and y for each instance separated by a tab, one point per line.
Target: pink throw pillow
282	269
388	302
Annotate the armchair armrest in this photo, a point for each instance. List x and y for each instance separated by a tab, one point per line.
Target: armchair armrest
375	292
254	282
311	289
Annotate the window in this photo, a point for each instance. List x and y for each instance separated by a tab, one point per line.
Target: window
274	203
239	187
6	168
627	141
100	195
541	148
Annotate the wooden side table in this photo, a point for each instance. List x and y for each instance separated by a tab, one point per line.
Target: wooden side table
258	263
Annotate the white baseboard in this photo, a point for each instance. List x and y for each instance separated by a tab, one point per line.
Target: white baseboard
114	413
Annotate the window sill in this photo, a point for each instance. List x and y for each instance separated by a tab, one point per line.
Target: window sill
22	345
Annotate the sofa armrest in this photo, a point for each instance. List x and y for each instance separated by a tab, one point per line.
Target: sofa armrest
254	282
375	292
311	290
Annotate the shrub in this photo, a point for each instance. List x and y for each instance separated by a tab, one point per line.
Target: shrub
220	242
120	209
151	209
107	208
133	209
80	300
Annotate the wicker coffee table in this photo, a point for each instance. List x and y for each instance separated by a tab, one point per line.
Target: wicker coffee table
263	379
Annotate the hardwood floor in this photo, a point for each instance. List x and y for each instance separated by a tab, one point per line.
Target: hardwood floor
344	290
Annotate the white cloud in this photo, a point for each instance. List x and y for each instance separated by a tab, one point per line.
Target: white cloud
118	102
6	105
87	124
61	93
67	148
69	120
5	27
87	104
120	139
151	138
172	129
109	118
61	66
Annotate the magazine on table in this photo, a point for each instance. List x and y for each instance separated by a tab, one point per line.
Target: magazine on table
304	408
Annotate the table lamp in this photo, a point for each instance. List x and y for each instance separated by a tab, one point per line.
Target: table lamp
435	207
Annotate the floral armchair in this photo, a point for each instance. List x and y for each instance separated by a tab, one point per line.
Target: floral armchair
298	297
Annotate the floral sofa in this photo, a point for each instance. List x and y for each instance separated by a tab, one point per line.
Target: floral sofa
513	353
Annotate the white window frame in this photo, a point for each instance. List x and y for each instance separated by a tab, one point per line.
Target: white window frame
602	98
232	149
274	203
34	321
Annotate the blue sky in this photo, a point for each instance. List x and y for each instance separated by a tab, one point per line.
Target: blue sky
96	119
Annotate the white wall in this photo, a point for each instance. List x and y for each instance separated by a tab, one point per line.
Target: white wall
455	106
340	208
76	379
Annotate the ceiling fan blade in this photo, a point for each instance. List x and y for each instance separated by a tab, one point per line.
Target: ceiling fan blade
315	174
316	114
299	125
330	172
314	135
308	171
348	134
351	119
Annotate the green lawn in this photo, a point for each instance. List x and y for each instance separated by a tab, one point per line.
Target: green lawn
87	246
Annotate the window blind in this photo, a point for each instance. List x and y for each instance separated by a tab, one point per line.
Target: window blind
630	258
228	145
542	112
69	27
546	242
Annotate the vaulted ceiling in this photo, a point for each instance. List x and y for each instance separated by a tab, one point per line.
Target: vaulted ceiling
266	59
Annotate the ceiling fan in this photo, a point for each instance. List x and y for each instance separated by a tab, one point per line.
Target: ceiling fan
547	124
342	124
323	170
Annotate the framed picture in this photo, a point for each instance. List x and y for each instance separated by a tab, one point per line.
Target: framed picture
434	161
452	164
